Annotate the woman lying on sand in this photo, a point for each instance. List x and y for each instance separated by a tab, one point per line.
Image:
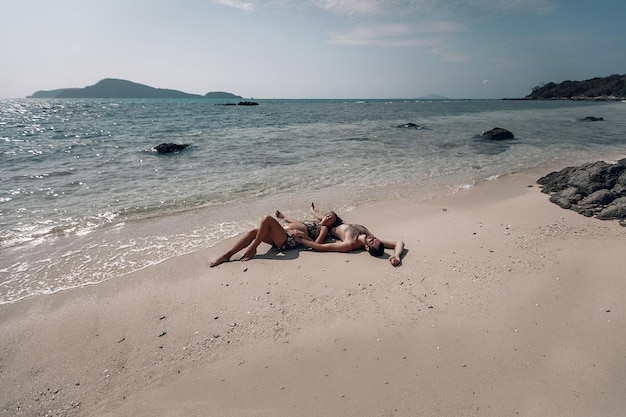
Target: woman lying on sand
316	230
271	232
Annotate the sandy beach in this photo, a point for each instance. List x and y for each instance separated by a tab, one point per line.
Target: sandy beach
504	305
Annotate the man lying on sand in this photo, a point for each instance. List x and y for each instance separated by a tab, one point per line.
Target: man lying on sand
353	237
283	238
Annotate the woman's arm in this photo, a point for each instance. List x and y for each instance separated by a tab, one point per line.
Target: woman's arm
322	235
317	215
328	247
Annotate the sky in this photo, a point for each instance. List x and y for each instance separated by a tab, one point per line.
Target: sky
311	48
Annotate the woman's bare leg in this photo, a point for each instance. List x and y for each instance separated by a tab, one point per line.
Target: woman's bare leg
271	232
292	226
242	243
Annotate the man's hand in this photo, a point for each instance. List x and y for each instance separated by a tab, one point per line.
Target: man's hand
394	260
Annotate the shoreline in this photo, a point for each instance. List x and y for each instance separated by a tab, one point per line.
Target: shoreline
116	250
71	235
505	303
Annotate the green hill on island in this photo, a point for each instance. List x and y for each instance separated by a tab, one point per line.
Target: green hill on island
612	87
114	88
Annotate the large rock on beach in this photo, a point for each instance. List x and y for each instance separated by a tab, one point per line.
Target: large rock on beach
170	147
593	189
497	133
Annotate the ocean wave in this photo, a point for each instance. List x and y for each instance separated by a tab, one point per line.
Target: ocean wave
39	232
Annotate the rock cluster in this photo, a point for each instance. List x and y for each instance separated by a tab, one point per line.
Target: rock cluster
170	147
594	189
497	133
409	126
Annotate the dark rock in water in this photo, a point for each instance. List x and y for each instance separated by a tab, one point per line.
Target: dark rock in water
247	103
592	119
497	133
409	126
170	147
593	189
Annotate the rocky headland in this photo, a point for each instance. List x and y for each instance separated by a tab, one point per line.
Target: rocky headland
593	189
608	88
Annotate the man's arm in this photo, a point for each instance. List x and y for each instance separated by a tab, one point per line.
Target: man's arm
398	248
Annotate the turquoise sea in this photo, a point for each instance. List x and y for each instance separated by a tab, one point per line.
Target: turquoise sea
84	199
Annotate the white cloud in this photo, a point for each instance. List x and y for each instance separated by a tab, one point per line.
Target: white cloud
432	7
448	57
351	6
393	35
442	26
536	6
246	6
398	8
396	35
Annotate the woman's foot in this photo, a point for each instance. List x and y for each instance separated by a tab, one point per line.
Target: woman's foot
220	260
279	215
248	255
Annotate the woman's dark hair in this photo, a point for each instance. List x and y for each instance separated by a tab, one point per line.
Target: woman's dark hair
377	250
336	222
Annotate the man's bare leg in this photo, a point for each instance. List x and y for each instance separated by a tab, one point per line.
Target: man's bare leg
271	232
242	243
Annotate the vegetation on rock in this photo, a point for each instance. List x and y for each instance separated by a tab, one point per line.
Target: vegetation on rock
612	87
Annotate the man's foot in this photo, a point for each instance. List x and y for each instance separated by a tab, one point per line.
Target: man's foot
248	255
279	215
220	260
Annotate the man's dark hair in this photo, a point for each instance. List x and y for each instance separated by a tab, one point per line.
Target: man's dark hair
377	250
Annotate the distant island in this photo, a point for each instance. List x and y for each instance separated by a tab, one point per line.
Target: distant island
612	87
114	88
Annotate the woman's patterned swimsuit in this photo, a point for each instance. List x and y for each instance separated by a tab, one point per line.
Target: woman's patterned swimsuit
311	230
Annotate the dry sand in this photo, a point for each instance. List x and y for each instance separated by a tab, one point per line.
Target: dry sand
504	305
